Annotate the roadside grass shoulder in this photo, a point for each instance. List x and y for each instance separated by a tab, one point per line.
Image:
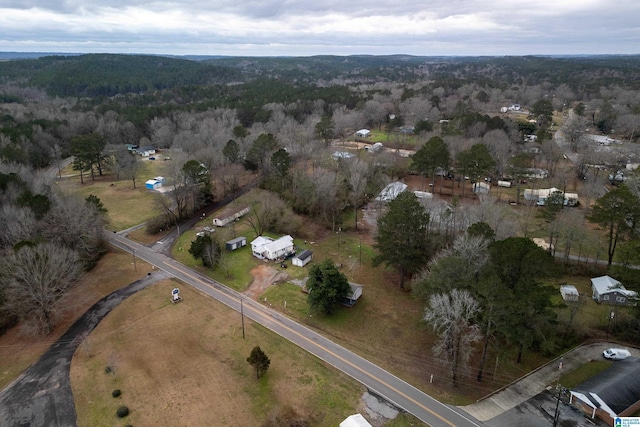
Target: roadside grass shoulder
185	364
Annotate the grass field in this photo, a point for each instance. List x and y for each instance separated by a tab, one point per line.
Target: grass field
126	206
185	365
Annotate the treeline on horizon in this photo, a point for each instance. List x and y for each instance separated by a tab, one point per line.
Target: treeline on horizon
108	75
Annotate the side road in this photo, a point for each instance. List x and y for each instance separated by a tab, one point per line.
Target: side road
537	381
42	396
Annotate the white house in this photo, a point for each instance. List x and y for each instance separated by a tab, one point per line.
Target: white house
267	248
363	133
608	290
303	258
257	246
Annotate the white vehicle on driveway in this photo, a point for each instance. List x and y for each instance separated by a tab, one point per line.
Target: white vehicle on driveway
616	353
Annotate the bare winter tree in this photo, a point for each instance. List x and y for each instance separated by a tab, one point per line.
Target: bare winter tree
451	316
500	146
36	279
358	172
16	224
574	130
267	209
75	224
629	125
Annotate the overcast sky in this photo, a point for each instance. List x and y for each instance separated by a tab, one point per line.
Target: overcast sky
314	27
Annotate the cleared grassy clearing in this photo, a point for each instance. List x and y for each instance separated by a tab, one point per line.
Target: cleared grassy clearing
185	364
126	206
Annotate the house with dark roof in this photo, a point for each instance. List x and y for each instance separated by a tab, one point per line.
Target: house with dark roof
608	290
614	392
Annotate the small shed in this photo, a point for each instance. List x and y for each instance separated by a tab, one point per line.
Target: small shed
569	293
153	184
481	188
303	258
363	133
236	243
354	294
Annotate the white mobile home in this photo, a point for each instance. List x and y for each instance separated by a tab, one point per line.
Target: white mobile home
226	216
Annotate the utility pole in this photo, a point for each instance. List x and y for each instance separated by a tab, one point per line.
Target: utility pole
134	261
242	316
556	415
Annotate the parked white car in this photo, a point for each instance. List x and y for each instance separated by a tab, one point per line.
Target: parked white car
616	353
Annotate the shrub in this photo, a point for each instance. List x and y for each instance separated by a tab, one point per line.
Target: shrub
157	224
122	412
116	393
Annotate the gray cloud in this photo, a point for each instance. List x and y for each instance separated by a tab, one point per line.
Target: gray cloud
296	27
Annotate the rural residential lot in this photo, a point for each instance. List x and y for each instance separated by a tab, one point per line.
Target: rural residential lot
508	214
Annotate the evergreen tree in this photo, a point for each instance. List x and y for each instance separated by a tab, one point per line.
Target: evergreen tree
326	286
402	239
259	360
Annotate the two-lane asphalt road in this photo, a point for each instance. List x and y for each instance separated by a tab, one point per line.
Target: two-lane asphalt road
376	379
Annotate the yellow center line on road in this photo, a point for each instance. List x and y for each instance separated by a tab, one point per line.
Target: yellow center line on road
314	343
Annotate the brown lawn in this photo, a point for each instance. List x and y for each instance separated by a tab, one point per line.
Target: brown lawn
185	365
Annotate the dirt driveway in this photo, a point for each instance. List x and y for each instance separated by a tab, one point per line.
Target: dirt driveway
264	276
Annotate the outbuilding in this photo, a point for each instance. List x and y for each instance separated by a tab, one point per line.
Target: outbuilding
363	133
303	258
569	293
228	215
153	184
353	296
236	243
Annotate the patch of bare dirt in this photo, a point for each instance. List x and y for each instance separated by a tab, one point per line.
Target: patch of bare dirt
264	276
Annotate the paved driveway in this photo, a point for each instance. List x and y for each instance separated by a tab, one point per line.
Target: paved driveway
42	396
535	383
